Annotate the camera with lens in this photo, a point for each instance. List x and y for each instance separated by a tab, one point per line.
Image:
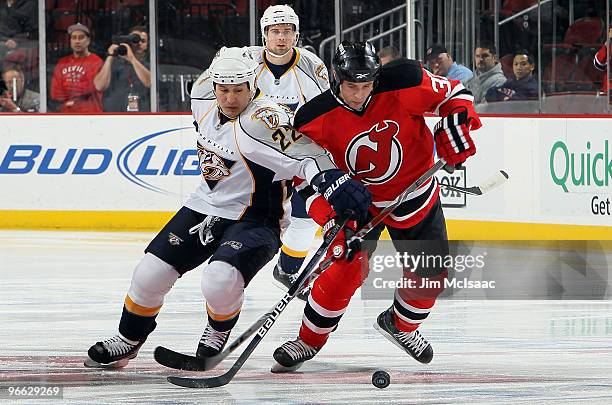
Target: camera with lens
126	39
3	88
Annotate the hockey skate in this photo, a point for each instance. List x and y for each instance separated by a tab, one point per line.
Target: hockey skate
115	352
291	355
285	280
412	343
212	342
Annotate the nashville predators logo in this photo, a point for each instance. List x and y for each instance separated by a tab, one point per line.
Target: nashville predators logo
213	167
268	115
321	71
375	156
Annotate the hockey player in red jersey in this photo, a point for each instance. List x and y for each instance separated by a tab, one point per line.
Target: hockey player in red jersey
371	121
601	61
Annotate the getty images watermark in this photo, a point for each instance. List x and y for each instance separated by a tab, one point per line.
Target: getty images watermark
460	269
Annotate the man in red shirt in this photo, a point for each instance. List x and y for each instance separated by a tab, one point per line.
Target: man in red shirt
601	61
371	121
73	77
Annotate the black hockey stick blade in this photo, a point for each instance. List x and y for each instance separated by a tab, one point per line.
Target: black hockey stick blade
484	187
194	382
170	358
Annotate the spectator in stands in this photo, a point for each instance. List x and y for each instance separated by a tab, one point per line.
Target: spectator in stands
523	86
14	97
126	79
388	54
18	24
601	61
73	78
441	63
488	72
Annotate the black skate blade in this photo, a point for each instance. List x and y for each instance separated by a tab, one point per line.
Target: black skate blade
280	369
180	361
112	366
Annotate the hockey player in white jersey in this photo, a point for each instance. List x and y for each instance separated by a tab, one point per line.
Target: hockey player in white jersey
246	153
289	76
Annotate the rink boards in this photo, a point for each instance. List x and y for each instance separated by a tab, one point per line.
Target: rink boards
119	172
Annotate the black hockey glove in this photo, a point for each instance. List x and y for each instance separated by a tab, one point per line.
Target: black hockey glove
343	193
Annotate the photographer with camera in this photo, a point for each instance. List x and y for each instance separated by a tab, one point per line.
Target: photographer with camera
14	97
125	77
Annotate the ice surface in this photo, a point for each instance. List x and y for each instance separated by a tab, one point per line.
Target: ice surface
62	291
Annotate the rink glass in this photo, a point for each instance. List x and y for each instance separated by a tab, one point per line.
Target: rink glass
562	36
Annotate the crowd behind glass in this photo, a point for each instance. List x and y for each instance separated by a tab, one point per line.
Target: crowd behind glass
98	59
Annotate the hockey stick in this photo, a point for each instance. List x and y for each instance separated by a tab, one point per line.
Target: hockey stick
262	327
483	187
489	184
180	361
360	234
302	280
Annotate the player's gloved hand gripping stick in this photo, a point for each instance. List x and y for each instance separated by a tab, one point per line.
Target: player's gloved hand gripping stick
263	324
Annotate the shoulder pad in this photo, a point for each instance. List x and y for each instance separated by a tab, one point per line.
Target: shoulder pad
310	57
202	87
264	114
257	52
399	74
318	106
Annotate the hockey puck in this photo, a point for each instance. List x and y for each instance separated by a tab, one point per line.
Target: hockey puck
381	379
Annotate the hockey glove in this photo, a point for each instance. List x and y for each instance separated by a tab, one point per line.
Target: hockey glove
453	140
343	193
340	249
206	229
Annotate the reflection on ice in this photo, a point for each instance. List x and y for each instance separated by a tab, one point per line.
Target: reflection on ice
63	291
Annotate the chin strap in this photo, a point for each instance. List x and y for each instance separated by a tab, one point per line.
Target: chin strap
273	55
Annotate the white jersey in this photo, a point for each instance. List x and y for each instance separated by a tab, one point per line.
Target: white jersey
305	79
245	161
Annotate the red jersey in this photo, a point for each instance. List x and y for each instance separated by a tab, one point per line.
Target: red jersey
387	145
73	85
601	61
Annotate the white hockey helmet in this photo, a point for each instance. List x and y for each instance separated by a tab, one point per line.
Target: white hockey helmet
234	66
279	14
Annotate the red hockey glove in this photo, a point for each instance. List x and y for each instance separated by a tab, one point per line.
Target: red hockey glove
452	136
340	249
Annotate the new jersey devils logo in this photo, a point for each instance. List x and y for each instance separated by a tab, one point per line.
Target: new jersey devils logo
375	156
